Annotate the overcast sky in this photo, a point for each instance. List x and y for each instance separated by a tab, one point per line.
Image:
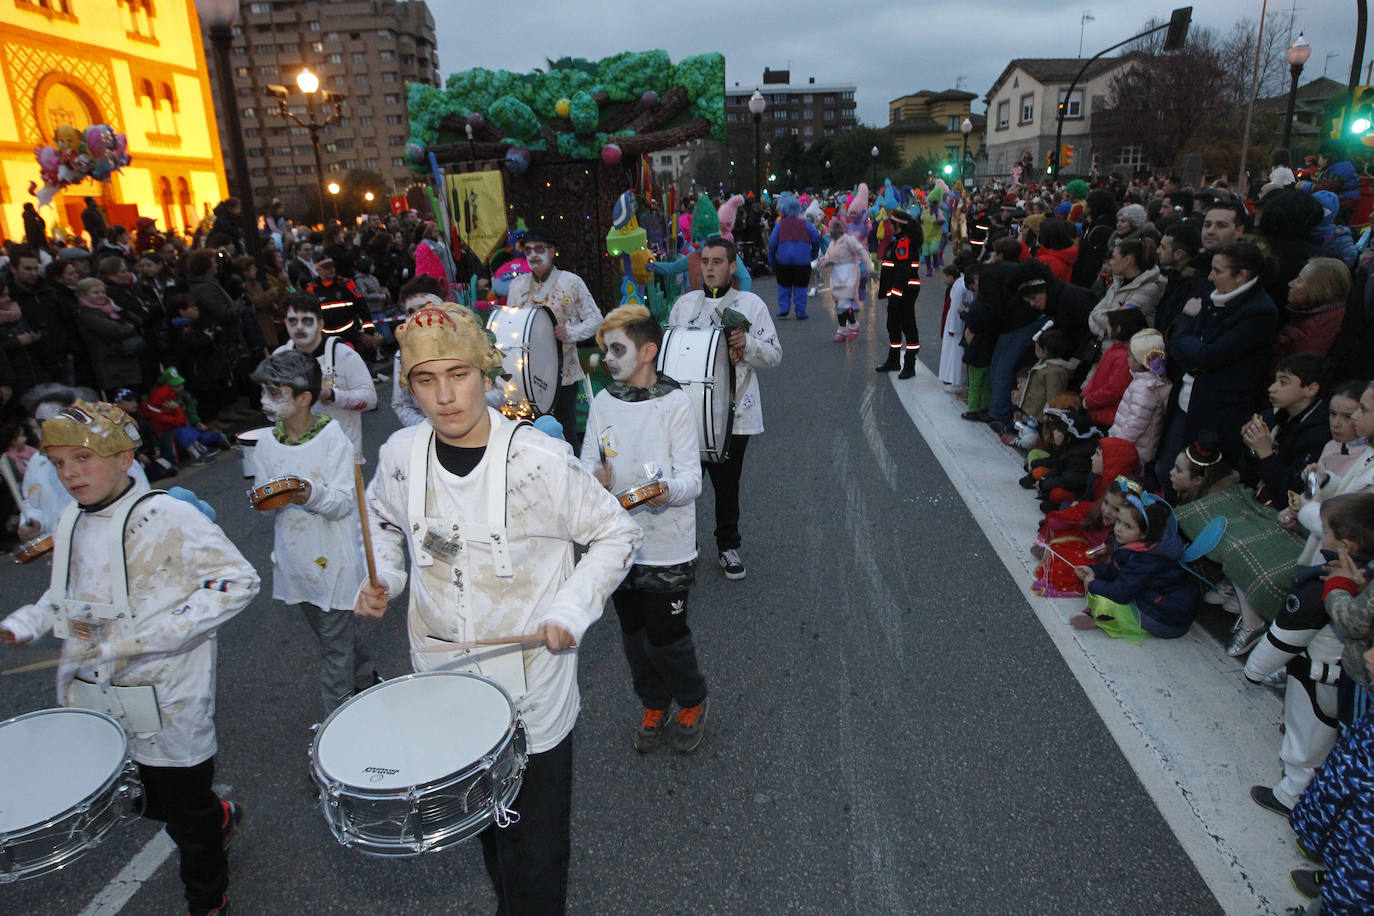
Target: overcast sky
887	48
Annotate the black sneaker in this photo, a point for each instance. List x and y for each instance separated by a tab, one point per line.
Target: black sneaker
732	564
233	816
649	735
1266	799
689	727
1308	881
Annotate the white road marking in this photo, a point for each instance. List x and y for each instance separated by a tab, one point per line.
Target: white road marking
121	889
1195	735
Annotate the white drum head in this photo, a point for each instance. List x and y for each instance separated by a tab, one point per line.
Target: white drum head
698	359
531	355
246	442
52	760
413	730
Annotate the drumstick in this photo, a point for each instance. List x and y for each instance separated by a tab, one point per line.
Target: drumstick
491	641
46	664
361	492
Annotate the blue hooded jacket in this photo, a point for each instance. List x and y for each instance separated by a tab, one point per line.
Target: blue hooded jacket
794	242
1328	239
1152	579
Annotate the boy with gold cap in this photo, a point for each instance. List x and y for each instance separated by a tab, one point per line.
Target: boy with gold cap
140	583
489	511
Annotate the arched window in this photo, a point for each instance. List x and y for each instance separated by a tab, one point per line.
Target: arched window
147	103
146	9
165	197
167	98
188	208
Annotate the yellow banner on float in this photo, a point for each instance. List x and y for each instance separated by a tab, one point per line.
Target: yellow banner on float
477	206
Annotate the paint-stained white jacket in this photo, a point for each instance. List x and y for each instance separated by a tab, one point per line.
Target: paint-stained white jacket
317	554
761	347
186	580
550	503
571	303
354	390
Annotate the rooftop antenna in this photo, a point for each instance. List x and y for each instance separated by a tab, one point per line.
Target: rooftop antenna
960	81
1083	21
1328	62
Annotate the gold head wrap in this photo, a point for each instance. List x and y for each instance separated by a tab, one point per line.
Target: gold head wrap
450	331
102	428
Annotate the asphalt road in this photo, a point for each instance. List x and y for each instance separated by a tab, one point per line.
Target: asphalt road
891	730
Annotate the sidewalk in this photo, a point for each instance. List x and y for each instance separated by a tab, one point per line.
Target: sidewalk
1196	734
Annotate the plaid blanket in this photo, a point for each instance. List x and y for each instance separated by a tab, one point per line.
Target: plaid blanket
1256	554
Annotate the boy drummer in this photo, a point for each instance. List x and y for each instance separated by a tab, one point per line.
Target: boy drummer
644	419
141	582
507	568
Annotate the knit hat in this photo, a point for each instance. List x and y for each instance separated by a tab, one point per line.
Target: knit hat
102	428
1147	347
1134	214
449	332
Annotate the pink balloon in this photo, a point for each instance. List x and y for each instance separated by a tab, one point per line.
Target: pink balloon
611	154
48	159
95	140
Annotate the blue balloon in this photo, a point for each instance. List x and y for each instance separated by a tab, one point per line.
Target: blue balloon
517	160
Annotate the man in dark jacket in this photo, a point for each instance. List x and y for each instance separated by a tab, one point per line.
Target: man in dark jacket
93	221
900	283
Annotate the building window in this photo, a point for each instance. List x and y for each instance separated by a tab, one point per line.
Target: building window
951	124
808	131
260	8
370	142
396	140
393	119
847	96
317	47
1027	108
829	99
360	79
385	55
241	71
1074	107
388	77
345	143
1003	114
384	33
254	152
806	99
251	132
138	18
369	163
829	114
187	204
331	36
259	173
391	98
1131	157
362	100
365	121
398	162
313	26
359	57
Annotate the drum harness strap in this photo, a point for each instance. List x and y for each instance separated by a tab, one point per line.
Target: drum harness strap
725	302
135	707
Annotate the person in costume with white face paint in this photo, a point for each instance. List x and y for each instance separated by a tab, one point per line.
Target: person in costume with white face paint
575	311
317	555
140	584
348	389
524	501
750	350
641	425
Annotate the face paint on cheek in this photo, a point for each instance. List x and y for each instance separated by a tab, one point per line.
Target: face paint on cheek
619	360
276	405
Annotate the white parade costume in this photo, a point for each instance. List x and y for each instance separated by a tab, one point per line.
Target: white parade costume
44	496
761	347
500	559
184	581
657	431
952	370
354	391
318	553
564	294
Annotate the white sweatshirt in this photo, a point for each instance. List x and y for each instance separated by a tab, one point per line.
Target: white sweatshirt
761	347
317	554
550	503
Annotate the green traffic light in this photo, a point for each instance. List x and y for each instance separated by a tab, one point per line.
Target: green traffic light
949	169
1360	125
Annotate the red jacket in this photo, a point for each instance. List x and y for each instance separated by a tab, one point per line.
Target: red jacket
1104	390
1308	332
163	410
1061	260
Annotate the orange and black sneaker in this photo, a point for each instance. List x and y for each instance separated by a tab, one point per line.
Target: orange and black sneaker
221	910
233	816
650	732
689	727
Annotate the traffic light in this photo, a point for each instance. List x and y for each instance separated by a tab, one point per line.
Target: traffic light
1362	112
949	168
1066	155
1049	162
1178	28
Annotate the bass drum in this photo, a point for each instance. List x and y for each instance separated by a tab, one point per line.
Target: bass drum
698	359
531	356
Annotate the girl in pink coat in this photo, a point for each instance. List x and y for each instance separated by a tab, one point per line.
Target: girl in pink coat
1140	414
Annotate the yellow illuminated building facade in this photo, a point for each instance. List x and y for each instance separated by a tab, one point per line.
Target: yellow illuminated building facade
136	65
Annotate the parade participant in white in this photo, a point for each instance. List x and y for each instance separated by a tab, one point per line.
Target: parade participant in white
317	556
140	584
348	386
566	295
757	348
489	512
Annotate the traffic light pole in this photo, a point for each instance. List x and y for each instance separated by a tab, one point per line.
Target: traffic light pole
1178	31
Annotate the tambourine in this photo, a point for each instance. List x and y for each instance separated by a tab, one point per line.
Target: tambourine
636	496
275	493
36	549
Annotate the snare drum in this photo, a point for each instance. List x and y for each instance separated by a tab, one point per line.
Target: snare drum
36	549
68	780
531	354
275	493
698	359
246	442
419	763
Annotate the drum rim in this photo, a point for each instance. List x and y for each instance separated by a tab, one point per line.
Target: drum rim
111	782
718	448
241	442
336	787
525	322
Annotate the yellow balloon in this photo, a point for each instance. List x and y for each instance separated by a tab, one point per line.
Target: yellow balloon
563	107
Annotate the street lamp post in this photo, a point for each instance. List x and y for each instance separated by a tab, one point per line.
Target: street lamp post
965	128
334	198
309	85
219	17
1297	56
756	107
874	153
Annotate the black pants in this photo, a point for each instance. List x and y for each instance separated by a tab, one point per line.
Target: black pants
181	798
725	477
901	320
528	861
565	412
658	646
